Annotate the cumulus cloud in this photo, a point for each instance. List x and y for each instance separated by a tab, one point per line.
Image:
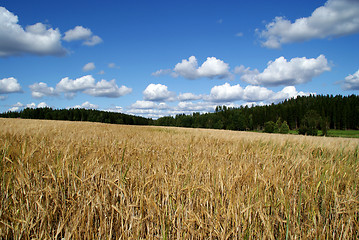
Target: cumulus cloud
79	33
148	113
211	68
155	110
149	109
88	67
80	84
34	39
335	19
228	93
92	41
19	106
87	85
189	107
158	92
144	105
117	109
9	85
39	90
287	93
256	93
188	97
108	89
16	107
42	105
282	72
351	82
86	105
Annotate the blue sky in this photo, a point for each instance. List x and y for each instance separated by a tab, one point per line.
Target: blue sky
157	58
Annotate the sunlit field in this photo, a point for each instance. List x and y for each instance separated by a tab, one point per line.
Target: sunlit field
80	180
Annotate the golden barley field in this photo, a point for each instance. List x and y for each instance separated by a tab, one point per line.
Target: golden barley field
80	180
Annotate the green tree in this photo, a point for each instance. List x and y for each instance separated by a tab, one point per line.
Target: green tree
284	128
269	127
324	126
309	124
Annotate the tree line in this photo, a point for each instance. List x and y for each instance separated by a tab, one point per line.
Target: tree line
306	114
75	114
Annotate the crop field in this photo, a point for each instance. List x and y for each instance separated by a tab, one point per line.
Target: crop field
80	180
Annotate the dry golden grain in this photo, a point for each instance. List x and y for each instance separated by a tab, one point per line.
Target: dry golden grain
83	180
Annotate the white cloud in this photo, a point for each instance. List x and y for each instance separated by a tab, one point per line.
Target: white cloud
240	34
79	84
87	85
228	93
162	72
211	68
187	68
35	39
108	89
88	67
9	85
144	105
256	93
149	109
16	107
79	33
39	90
189	107
102	72
92	41
214	67
351	82
336	18
188	97
115	109
148	113
86	105
42	105
19	106
158	92
287	93
282	72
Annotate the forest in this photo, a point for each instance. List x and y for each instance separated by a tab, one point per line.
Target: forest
329	112
304	113
76	114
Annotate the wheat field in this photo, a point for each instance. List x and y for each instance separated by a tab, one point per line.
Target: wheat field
80	180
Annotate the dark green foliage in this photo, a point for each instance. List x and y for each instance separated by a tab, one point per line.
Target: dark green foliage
284	128
335	112
310	123
324	126
270	127
339	112
75	114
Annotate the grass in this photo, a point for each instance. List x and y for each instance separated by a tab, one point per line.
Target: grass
335	133
77	180
343	133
